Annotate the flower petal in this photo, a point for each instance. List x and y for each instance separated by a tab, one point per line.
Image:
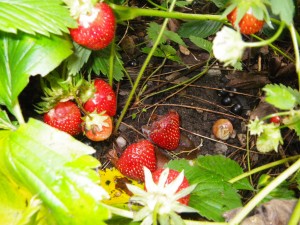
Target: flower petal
149	183
185	191
163	178
172	187
136	190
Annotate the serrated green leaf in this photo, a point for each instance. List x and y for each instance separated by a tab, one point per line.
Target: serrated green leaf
280	96
154	29
213	195
35	16
202	43
298	179
164	51
182	3
45	161
23	55
213	198
5	122
217	164
100	63
269	139
280	192
220	3
285	10
293	122
17	204
201	29
76	61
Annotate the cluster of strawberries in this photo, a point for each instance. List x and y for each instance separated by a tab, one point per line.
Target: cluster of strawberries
163	132
96	30
98	104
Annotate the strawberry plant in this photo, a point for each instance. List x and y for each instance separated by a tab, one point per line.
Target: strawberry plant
74	46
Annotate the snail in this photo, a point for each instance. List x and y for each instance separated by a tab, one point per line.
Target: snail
222	129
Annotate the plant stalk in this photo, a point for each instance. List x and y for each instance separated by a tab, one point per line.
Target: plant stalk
143	68
264	167
129	13
268	41
17	112
295	217
296	50
264	192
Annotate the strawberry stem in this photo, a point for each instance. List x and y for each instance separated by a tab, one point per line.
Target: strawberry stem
264	167
296	49
128	13
143	68
264	192
17	112
111	63
155	213
268	41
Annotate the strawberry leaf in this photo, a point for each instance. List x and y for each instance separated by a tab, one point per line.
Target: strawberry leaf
201	29
213	195
285	10
164	51
269	139
57	169
35	16
5	122
202	43
293	122
76	61
216	164
154	29
280	96
23	55
298	179
220	3
17	204
100	63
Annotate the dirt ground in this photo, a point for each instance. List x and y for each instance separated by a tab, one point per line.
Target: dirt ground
199	104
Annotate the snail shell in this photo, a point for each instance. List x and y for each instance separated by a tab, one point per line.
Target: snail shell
222	129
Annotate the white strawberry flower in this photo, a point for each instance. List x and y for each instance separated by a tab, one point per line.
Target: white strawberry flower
160	200
228	46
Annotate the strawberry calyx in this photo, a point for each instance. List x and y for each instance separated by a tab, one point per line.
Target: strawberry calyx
57	89
80	7
95	121
86	90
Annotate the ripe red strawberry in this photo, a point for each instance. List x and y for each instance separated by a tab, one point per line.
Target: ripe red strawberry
97	127
275	119
135	157
172	176
65	116
103	98
165	131
96	28
248	24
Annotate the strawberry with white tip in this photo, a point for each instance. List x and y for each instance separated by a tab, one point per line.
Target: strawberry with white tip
97	126
96	24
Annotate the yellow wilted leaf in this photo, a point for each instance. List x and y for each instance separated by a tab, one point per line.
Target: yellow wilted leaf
115	184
